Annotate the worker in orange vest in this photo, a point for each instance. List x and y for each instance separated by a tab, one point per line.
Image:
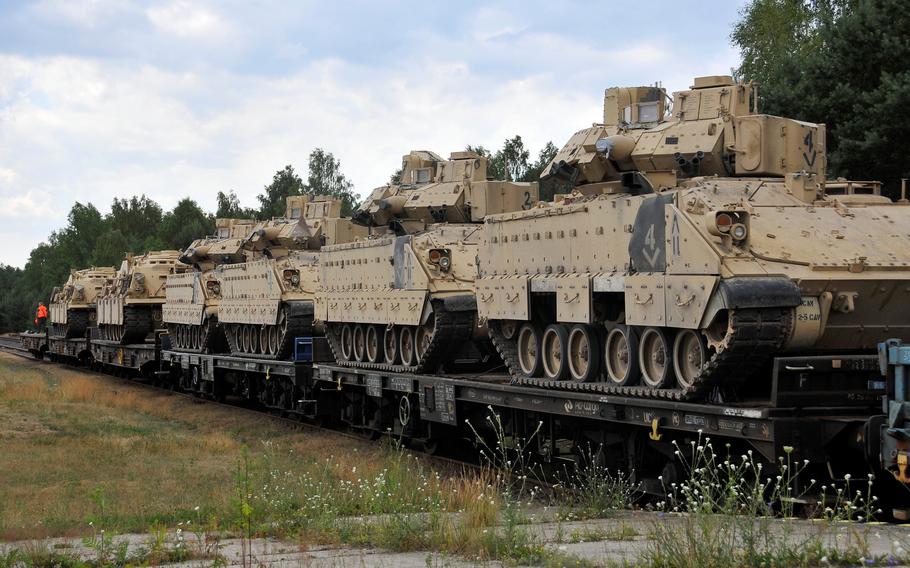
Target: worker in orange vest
41	317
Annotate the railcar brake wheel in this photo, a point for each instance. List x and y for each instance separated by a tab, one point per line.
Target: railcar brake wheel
690	354
390	345
583	353
529	356
654	357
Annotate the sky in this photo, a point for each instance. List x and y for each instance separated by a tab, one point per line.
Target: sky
174	98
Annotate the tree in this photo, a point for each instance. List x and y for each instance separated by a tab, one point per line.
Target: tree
272	202
511	162
229	207
135	220
185	223
846	67
546	155
324	177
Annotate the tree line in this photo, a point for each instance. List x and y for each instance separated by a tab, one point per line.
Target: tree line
138	224
845	63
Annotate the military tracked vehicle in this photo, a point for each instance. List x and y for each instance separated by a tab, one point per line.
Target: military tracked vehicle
129	308
403	299
267	301
692	247
72	307
192	297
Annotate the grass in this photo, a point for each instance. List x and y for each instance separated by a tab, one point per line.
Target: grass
155	457
91	456
95	457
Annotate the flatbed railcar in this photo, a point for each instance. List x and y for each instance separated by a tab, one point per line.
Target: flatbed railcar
824	409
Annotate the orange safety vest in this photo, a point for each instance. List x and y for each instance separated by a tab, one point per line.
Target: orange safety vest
42	312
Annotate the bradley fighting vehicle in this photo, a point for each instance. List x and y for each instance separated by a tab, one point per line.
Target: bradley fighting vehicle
692	248
268	301
403	299
193	296
72	307
129	307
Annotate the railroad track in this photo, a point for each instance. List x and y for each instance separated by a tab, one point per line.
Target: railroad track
11	344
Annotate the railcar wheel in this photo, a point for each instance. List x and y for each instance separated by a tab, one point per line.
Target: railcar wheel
509	328
654	357
390	345
347	342
360	342
374	348
529	357
690	354
554	350
406	345
583	353
621	355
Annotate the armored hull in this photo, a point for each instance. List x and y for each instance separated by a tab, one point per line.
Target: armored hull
72	308
666	284
129	309
403	300
387	306
193	297
268	300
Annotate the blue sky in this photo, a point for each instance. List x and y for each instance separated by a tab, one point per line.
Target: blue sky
107	98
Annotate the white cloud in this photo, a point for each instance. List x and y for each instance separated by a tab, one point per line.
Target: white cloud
84	13
91	128
187	20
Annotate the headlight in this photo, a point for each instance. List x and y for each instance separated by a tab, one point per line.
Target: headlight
739	232
441	258
732	224
292	276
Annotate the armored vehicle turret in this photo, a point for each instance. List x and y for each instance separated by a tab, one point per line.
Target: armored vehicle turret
267	301
130	306
693	247
72	307
193	296
403	299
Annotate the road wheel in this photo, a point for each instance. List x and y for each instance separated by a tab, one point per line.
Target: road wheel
374	348
554	351
690	355
621	355
509	328
360	342
264	339
390	345
424	337
406	345
583	353
347	342
529	357
654	357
